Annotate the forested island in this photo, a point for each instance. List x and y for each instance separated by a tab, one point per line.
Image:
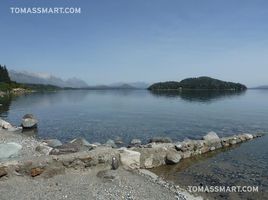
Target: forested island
200	83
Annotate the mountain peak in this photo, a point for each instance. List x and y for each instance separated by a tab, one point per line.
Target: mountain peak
46	79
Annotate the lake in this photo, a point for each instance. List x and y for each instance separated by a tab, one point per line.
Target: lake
99	115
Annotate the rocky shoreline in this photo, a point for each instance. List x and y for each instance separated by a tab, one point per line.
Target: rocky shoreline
26	157
16	91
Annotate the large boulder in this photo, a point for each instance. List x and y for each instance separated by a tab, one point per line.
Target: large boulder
173	157
152	157
211	136
29	121
212	140
248	136
129	159
8	150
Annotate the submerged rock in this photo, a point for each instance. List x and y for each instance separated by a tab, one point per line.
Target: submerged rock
29	121
81	142
110	143
118	141
135	142
8	150
160	140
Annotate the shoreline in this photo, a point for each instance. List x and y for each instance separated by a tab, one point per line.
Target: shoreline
37	159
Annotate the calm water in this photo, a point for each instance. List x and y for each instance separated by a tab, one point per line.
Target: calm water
102	115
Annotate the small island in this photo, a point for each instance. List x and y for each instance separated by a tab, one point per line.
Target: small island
200	83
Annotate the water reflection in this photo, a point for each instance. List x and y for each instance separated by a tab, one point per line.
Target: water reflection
5	103
30	132
202	96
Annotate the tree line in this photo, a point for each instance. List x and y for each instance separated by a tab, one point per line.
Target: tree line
4	76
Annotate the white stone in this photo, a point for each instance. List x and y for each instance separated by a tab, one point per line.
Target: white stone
130	159
4	124
248	136
211	136
10	149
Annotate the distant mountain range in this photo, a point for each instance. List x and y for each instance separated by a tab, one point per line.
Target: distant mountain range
261	87
47	79
138	85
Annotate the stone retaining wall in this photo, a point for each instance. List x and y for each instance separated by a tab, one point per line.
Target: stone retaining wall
136	157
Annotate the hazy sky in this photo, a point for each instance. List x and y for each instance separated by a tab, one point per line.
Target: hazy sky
139	40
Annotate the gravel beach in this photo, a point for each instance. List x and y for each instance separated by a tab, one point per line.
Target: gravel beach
89	184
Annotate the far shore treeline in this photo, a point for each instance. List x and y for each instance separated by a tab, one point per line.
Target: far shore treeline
200	83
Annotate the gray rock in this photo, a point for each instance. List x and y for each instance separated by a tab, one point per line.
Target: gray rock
130	159
53	142
135	142
211	136
212	148
15	129
81	142
248	136
173	157
212	140
110	143
178	146
8	150
29	121
5	125
149	174
118	141
160	140
115	163
152	157
3	171
65	149
232	142
43	148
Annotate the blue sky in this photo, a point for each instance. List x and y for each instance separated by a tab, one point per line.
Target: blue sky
138	40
